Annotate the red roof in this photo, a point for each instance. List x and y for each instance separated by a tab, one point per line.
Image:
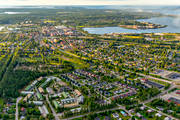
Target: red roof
22	109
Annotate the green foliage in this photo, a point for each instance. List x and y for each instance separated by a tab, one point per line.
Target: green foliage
167	106
144	94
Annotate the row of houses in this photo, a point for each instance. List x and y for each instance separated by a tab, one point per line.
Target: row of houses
174	100
130	93
72	81
152	84
30	87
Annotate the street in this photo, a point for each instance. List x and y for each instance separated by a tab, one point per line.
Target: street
17	112
151	77
159	95
161	112
79	116
52	109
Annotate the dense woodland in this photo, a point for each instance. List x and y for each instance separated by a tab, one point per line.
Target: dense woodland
75	16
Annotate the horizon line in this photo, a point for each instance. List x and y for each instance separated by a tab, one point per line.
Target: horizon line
94	5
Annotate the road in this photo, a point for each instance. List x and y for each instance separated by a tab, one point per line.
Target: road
161	94
52	109
17	111
122	107
151	77
148	76
158	96
79	116
161	112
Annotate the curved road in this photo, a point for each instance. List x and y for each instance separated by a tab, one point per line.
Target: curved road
17	112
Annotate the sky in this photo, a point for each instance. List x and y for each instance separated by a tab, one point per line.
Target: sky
89	2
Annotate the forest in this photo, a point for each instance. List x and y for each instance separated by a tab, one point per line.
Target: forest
75	16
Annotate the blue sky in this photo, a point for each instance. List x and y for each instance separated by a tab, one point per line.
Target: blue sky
89	2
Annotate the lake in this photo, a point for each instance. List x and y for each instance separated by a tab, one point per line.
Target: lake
14	13
172	22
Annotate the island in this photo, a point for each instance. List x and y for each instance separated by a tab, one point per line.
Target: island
143	25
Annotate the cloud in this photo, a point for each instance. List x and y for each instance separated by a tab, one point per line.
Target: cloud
89	2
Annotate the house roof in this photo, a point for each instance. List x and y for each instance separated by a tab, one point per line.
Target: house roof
175	100
77	92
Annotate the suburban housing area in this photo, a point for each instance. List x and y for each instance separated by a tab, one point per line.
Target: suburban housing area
52	69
